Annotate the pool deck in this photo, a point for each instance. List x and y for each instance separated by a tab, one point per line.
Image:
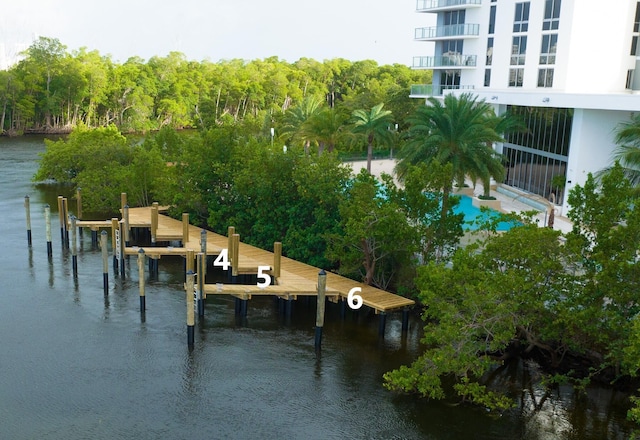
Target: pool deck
508	203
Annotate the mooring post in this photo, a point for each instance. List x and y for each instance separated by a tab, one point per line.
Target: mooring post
79	207
105	261
154	221
61	218
125	218
121	247
190	312
203	247
27	207
74	249
322	285
277	258
230	231
185	228
114	240
65	209
47	225
201	295
141	256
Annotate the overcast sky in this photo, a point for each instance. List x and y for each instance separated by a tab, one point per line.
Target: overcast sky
381	30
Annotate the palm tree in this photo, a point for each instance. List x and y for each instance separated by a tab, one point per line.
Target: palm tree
373	125
296	117
460	131
325	127
627	153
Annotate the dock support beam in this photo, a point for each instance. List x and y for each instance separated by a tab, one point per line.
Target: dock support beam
47	223
190	312
27	207
322	286
382	324
105	262
405	320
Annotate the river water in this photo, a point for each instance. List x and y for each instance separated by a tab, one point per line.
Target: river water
76	364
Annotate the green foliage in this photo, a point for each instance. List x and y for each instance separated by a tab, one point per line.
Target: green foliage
526	292
52	90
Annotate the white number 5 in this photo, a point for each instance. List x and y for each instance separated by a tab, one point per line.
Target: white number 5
265	276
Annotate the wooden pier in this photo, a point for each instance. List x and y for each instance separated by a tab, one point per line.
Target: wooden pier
294	278
276	275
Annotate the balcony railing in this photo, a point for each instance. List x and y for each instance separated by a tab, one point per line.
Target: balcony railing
426	90
427	5
452	30
445	61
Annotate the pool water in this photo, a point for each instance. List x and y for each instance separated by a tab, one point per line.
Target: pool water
472	214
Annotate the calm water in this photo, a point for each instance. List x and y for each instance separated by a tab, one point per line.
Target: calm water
75	364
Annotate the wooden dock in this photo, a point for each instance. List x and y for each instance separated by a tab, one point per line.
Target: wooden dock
293	278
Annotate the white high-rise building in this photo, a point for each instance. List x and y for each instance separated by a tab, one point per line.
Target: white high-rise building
568	67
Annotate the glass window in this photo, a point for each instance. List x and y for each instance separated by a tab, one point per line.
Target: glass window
548	49
545	78
521	19
629	81
636	21
634	45
492	20
454	17
518	50
489	51
516	77
551	19
487	77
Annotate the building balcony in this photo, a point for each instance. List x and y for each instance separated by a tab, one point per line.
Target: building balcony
429	90
446	61
446	32
446	5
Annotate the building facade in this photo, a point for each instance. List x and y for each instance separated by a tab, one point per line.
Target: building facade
568	67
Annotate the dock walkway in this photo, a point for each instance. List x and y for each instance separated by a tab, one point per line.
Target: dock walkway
295	278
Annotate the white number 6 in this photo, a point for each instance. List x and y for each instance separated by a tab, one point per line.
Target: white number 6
354	301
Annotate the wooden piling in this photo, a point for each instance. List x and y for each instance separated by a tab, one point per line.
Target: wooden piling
47	225
185	228
74	249
65	216
114	241
230	231
322	287
382	324
277	257
125	218
235	244
154	221
141	283
405	320
191	256
27	207
105	261
61	218
79	207
190	312
121	247
203	248
201	263
123	200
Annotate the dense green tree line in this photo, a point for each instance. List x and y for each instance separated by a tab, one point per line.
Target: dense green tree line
54	90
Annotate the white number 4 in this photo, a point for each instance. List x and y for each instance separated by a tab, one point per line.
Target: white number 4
265	276
354	301
223	259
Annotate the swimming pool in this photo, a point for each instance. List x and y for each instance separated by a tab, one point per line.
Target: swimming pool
473	213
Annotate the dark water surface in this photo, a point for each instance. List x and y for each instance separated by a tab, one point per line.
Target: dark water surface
75	364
